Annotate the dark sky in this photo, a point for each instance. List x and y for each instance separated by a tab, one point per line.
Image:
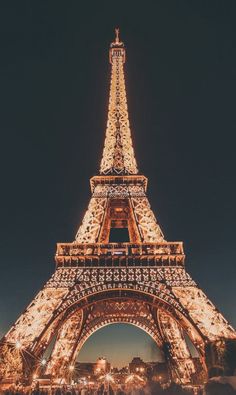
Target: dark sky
181	85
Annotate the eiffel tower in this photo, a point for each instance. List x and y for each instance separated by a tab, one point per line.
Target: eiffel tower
119	269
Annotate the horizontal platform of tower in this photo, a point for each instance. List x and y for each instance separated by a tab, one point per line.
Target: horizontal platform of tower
120	254
124	180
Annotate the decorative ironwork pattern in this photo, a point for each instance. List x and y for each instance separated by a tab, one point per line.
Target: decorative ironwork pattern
132	312
206	317
33	321
146	221
148	226
176	349
119	191
171	276
11	364
65	344
89	230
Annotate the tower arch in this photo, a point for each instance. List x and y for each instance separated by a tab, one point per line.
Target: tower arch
155	317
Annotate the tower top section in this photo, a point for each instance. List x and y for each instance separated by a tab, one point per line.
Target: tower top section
118	153
117	47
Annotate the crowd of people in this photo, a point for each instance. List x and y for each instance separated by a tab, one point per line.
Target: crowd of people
151	388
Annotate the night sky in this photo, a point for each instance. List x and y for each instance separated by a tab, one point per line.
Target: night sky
181	87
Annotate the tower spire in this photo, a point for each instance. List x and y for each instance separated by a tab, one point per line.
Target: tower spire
118	153
117	31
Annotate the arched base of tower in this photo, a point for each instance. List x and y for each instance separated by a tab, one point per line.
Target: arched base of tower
162	300
77	324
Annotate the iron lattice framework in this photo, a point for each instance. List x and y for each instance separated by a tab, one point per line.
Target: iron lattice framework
118	154
142	281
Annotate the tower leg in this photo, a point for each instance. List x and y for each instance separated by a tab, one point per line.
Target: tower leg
62	353
22	346
203	313
176	350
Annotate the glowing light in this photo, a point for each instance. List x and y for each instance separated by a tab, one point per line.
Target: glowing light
118	154
109	377
18	345
43	362
129	378
71	368
132	377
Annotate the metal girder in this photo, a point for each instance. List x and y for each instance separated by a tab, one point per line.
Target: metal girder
65	343
144	224
75	330
73	290
204	314
175	349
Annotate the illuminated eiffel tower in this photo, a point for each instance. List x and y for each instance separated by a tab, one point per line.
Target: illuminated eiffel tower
120	268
